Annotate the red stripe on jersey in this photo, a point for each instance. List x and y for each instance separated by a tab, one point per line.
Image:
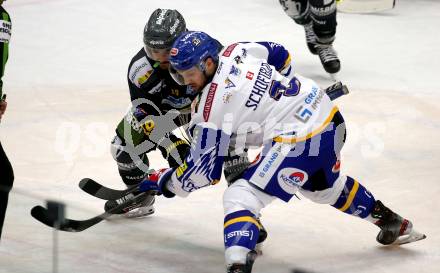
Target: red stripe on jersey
209	100
229	50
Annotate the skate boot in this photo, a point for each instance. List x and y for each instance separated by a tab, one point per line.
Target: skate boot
394	229
244	268
138	205
329	58
261	238
311	38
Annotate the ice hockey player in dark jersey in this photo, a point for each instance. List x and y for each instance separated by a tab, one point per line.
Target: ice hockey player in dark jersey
319	20
155	96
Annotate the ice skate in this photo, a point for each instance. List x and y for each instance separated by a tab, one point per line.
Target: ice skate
395	230
138	205
244	268
329	58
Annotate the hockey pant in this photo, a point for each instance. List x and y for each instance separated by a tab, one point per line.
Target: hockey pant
311	167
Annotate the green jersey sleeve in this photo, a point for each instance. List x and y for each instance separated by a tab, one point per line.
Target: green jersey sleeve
5	36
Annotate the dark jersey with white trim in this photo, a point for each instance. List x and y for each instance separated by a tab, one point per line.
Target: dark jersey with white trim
146	80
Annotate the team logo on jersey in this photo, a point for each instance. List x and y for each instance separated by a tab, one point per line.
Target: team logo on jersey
337	167
226	97
209	100
238	60
229	83
145	77
249	75
229	50
290	179
235	71
196	41
303	114
156	89
140	69
174	51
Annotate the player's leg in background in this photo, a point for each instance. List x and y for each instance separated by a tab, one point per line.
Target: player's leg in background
6	181
299	11
132	168
323	14
242	203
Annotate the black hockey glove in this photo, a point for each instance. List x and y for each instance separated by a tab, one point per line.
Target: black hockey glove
174	150
234	166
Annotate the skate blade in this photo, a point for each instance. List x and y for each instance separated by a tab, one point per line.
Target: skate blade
138	213
414	236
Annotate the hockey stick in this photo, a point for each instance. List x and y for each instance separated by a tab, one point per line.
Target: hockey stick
365	6
97	190
70	225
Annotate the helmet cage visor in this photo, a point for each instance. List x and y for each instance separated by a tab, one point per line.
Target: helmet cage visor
152	53
178	76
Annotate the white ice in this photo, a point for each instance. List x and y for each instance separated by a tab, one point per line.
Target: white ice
66	86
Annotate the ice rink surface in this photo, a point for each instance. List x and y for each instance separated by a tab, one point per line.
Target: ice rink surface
67	90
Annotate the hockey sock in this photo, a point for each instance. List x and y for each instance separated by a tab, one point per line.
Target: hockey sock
355	199
241	229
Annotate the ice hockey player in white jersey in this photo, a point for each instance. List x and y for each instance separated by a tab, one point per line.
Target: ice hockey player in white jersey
245	102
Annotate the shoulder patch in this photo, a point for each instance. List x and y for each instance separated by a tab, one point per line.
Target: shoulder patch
209	100
140	71
229	50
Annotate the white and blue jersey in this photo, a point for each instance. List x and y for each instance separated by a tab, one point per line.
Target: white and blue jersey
249	103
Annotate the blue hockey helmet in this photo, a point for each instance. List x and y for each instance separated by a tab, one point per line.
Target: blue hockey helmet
192	48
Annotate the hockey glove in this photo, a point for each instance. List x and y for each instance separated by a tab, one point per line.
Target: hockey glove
235	165
174	150
157	181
